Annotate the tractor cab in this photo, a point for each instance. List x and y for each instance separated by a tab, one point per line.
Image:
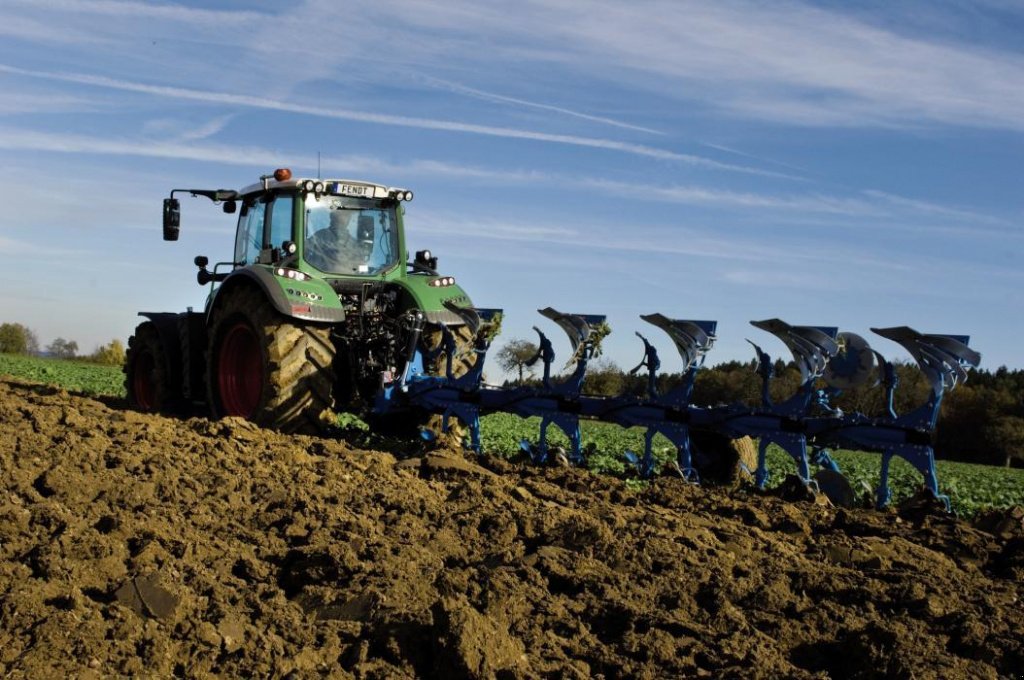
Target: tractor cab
333	227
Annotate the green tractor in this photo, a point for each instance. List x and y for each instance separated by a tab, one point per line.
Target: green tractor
318	309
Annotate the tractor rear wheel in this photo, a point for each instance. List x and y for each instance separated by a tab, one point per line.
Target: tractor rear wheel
269	369
150	386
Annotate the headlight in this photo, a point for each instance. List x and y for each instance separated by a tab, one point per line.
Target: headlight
293	274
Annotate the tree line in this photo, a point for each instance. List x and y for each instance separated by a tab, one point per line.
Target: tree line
16	338
981	421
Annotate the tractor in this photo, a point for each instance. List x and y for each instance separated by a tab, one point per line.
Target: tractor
318	309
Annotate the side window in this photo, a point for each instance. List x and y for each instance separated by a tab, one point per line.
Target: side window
249	238
281	221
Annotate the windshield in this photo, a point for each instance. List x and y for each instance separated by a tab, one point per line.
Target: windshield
354	236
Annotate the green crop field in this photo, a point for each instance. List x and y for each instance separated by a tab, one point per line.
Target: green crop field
971	488
78	376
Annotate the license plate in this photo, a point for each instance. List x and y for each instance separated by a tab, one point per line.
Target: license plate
358	190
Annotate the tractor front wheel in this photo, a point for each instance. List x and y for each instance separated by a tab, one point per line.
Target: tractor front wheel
262	366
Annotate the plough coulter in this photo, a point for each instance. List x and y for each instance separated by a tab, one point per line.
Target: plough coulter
806	425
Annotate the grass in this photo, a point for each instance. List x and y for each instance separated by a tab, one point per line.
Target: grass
79	376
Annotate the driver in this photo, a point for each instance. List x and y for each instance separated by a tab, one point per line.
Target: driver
333	249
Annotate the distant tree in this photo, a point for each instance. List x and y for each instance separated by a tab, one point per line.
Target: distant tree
17	339
111	354
728	383
63	349
1006	435
514	356
604	378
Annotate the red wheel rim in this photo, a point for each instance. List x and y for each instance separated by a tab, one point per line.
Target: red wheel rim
240	371
142	382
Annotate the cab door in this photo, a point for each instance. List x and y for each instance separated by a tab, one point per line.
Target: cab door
264	225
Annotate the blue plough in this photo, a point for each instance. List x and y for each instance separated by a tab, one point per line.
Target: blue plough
806	425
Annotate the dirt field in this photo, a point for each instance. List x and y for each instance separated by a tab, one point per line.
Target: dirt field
144	546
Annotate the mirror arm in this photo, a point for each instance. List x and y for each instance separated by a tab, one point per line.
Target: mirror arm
214	195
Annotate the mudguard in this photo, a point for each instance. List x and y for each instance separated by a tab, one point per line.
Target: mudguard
433	301
309	300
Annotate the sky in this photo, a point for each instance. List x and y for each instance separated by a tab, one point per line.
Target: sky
850	164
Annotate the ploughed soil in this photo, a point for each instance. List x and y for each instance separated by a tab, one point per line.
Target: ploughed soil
146	546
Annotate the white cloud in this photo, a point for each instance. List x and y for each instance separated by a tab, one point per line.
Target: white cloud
876	204
26	140
26	102
502	99
248	101
675	241
21	139
929	208
707	196
207	129
762	159
32	30
186	130
787	62
149	11
46	252
779	277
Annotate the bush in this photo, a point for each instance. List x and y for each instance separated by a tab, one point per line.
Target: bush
109	355
604	378
17	339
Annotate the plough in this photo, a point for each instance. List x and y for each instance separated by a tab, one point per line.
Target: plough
806	425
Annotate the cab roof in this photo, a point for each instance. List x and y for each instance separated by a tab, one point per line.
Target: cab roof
340	187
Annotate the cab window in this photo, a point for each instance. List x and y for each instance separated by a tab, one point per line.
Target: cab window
259	216
249	238
280	220
350	236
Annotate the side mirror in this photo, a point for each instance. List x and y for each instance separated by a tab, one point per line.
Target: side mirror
230	207
172	219
201	261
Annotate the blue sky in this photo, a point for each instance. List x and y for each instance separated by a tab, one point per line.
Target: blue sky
835	163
